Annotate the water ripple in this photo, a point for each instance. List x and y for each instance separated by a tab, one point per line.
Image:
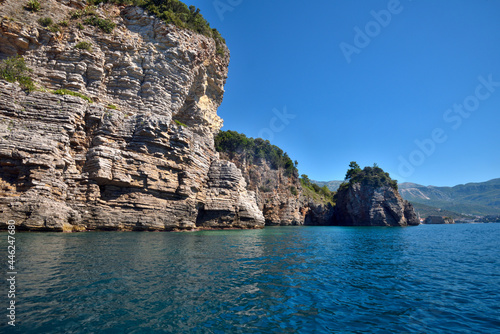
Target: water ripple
425	279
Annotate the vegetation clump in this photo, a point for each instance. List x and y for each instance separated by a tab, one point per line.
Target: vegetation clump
14	69
179	123
49	24
84	46
177	13
90	18
316	192
254	150
369	176
90	10
104	24
45	22
33	6
72	93
54	28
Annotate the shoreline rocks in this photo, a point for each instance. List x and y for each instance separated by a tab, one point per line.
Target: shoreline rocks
439	220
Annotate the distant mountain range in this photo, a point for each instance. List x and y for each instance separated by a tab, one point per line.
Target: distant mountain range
481	198
332	185
472	198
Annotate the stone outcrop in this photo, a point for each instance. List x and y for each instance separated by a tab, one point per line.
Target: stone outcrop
317	214
226	202
278	195
141	157
438	220
363	205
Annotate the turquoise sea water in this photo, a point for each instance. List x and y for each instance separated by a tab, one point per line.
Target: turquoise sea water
424	279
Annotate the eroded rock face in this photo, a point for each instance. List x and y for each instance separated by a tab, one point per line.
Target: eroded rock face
361	205
226	202
278	195
141	157
318	214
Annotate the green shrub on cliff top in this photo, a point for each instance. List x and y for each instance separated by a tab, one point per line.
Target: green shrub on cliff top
253	150
368	176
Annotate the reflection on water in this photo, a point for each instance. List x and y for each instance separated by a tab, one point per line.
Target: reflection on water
293	279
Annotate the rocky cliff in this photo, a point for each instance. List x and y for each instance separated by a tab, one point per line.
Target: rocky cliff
361	205
278	195
371	198
281	197
142	156
318	214
273	176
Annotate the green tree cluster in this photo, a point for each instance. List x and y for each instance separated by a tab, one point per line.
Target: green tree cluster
253	150
368	176
177	13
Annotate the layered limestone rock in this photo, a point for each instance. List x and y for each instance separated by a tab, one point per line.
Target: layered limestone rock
278	195
364	205
141	157
227	203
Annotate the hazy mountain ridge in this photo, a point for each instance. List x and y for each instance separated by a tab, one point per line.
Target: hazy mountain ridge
478	198
332	185
424	211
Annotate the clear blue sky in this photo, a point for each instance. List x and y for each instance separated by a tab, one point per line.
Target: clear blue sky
290	58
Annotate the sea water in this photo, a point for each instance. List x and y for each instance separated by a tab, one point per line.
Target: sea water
424	279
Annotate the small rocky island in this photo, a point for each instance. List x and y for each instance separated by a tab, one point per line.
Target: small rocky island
371	198
108	121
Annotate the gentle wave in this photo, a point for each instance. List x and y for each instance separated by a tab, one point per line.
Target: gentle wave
424	279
